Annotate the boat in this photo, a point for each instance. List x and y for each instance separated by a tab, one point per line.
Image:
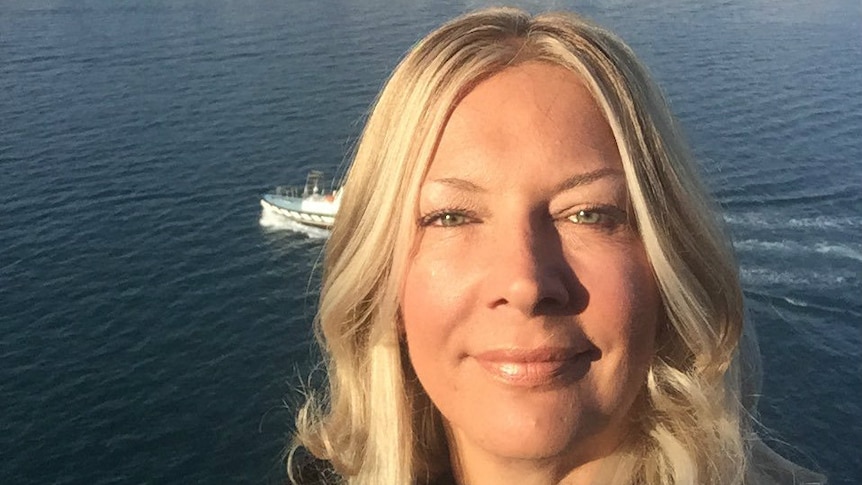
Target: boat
308	205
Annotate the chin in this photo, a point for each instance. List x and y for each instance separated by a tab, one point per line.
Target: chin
537	447
539	434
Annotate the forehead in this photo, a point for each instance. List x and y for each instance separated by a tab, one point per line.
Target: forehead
526	114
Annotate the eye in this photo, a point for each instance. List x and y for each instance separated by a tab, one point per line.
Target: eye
447	218
587	216
452	219
606	217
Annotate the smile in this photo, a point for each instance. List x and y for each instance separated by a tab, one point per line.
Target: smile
532	368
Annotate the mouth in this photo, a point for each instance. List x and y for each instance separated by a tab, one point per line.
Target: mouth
534	367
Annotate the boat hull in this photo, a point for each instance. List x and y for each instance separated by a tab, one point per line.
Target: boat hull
315	212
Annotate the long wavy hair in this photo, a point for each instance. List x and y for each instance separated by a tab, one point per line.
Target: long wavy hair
373	422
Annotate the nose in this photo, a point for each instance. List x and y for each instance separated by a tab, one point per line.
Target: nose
530	272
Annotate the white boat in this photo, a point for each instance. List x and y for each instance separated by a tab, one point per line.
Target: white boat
308	205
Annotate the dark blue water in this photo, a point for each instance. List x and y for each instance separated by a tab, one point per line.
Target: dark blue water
153	330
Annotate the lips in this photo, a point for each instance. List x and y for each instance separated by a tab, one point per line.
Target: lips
530	367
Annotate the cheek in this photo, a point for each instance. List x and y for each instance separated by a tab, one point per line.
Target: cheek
440	282
644	303
621	320
431	314
431	307
622	288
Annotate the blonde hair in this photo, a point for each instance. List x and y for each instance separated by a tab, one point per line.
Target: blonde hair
374	424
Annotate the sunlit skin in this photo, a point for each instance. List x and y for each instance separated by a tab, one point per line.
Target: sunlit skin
529	306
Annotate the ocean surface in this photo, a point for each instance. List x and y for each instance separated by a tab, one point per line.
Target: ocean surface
154	331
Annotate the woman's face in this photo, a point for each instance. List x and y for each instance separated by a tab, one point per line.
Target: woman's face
529	306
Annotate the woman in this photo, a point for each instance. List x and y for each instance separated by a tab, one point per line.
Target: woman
527	282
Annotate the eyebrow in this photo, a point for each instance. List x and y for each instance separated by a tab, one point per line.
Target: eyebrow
588	178
460	184
568	184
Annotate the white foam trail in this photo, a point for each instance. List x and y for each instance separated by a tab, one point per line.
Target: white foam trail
274	221
786	246
763	220
758	245
795	302
826	222
759	276
840	250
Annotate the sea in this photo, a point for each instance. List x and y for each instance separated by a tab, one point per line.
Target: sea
154	330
